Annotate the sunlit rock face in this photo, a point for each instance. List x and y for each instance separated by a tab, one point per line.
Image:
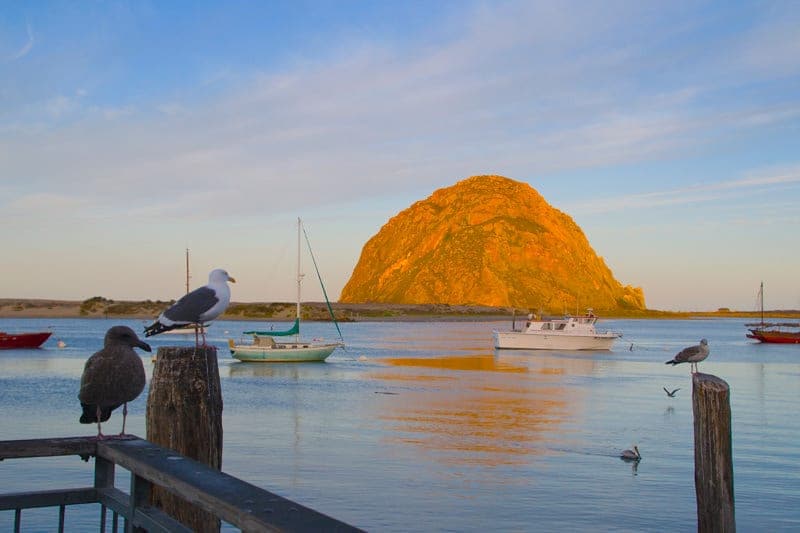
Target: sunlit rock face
487	240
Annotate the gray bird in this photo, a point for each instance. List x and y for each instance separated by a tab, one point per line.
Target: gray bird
200	306
691	355
631	455
112	377
671	393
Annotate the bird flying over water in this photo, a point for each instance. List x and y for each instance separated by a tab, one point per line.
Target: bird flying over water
199	307
691	355
671	393
631	455
112	377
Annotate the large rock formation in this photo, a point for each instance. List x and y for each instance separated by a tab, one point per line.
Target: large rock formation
486	240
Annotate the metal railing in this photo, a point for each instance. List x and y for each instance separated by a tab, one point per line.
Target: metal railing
230	499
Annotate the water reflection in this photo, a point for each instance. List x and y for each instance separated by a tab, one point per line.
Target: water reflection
270	370
61	367
483	409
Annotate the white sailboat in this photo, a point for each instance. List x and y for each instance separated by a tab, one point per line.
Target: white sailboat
269	346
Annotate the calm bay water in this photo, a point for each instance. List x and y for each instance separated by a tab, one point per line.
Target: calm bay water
425	427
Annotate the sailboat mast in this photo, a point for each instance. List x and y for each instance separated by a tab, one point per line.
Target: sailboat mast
761	297
299	275
187	271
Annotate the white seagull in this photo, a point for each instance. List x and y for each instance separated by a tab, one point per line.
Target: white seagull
691	355
198	307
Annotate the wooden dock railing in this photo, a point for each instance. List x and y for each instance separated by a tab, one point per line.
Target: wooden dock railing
230	499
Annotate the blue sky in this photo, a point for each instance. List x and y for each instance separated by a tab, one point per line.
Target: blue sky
130	131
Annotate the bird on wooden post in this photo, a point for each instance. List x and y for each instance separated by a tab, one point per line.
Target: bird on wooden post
198	307
112	376
691	355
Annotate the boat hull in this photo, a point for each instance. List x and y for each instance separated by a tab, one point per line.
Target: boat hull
513	340
775	337
283	352
10	341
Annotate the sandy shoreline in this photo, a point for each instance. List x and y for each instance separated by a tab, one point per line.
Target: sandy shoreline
41	308
280	311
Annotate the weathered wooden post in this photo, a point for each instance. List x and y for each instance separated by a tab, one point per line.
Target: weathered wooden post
184	413
713	454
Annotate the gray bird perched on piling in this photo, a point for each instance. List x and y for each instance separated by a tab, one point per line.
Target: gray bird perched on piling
112	377
198	307
691	355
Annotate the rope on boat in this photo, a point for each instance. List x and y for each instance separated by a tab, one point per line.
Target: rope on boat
324	292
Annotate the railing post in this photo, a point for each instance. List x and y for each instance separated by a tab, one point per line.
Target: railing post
103	479
713	455
139	497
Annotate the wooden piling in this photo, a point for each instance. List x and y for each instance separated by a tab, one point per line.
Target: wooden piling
713	455
184	413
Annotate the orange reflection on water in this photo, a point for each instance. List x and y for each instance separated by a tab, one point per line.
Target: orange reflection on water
474	410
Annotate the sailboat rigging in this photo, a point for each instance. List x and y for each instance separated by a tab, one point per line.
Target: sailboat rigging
266	349
186	330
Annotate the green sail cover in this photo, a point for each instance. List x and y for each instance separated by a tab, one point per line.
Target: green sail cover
294	330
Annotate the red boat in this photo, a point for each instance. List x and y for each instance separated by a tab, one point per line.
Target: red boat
23	340
773	332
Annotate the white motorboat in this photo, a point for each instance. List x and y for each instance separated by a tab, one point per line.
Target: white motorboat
566	333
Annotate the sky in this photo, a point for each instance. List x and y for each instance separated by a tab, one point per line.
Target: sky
131	131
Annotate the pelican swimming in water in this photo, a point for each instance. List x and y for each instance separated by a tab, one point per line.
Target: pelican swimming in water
691	355
631	455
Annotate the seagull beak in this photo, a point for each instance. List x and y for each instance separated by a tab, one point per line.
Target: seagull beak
231	279
144	346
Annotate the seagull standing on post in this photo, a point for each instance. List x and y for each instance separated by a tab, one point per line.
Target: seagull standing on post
112	377
691	355
198	307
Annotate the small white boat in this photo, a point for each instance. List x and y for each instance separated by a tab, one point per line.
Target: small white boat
266	349
567	333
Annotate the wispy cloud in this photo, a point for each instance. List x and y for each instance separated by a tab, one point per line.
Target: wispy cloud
60	105
46	202
756	183
517	88
27	47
